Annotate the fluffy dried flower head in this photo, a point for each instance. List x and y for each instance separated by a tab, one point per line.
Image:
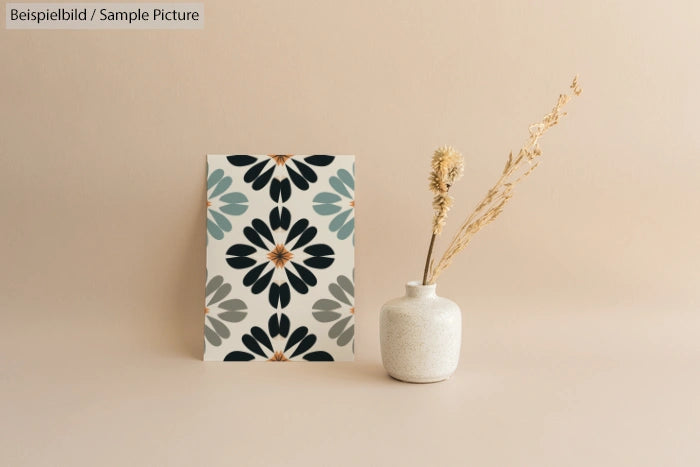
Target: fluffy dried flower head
442	203
448	167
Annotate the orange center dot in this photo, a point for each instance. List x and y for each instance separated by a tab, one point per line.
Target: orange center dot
279	256
278	357
280	159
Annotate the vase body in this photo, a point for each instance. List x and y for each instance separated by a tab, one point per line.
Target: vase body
420	335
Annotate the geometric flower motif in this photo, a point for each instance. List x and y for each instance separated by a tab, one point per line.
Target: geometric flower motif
277	344
277	251
280	188
231	204
227	310
339	311
332	203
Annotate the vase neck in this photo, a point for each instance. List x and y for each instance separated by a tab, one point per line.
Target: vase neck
418	290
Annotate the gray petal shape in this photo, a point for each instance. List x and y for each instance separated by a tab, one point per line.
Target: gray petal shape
214	284
235	304
211	336
219	327
338	293
346	284
347	336
338	327
326	316
232	316
220	294
326	304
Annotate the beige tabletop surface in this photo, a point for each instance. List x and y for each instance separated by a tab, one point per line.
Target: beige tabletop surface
581	323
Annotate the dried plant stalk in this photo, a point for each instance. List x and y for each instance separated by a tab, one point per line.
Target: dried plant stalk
447	167
516	169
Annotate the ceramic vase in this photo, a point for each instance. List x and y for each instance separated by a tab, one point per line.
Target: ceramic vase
420	335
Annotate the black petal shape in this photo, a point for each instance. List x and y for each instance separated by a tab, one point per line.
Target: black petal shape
318	262
285	189
262	283
253	172
297	283
280	217
284	325
273	325
254	238
306	237
262	180
298	334
262	229
237	356
285	296
278	325
273	296
253	275
275	190
306	275
298	227
319	160
241	160
306	171
297	179
318	356
279	295
240	263
260	335
240	250
305	345
319	249
252	345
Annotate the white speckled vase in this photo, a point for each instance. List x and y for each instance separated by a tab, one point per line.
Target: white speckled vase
420	335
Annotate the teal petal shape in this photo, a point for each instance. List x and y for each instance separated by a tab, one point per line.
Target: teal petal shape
221	221
339	187
326	209
211	336
214	178
326	197
345	176
339	220
214	284
326	304
347	336
221	187
338	327
219	327
326	316
347	229
338	293
214	230
235	304
234	198
220	294
234	209
232	316
346	285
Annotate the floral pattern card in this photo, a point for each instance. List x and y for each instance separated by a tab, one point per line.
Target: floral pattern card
280	258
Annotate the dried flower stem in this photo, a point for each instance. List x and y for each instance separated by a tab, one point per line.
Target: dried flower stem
427	260
496	198
447	167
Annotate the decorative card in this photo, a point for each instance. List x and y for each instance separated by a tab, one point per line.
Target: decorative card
280	258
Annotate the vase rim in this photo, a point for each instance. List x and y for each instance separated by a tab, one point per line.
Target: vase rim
417	289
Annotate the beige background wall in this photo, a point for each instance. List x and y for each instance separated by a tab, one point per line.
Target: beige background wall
102	209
